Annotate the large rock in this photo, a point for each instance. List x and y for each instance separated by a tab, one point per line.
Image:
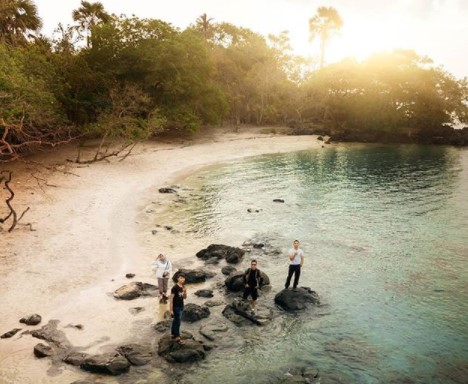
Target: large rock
193	312
295	300
107	363
173	352
232	255
235	282
136	289
136	354
31	319
193	275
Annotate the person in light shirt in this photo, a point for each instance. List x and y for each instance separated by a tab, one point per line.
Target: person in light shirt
296	260
163	268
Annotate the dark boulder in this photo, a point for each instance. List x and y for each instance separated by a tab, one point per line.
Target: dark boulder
130	275
136	354
296	299
193	275
193	312
278	200
136	289
11	333
204	293
42	350
232	255
173	352
31	319
107	363
235	282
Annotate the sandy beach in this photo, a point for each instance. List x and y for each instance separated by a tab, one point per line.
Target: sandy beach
89	231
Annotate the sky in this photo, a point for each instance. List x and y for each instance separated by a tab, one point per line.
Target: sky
434	28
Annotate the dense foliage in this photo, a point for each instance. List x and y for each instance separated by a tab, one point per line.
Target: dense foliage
128	78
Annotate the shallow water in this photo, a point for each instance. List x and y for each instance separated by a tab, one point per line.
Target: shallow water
385	233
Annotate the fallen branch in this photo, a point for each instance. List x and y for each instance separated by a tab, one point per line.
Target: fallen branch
6	181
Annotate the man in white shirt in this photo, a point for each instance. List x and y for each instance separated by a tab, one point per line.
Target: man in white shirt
296	260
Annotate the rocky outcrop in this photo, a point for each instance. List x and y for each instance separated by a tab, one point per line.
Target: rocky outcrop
193	275
232	255
173	352
296	299
136	289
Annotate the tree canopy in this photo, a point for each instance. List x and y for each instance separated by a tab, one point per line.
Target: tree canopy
136	77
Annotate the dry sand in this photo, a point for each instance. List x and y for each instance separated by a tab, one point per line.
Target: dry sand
89	234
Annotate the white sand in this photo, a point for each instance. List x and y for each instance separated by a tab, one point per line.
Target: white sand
88	236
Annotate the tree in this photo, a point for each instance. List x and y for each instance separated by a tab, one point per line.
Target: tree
323	26
88	16
204	25
18	21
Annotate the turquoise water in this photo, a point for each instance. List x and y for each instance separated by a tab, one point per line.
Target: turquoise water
385	233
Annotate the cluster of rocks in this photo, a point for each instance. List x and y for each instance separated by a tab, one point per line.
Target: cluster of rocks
220	326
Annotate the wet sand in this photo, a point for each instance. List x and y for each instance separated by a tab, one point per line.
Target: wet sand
90	230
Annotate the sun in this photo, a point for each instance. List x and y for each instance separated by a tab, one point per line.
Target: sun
358	39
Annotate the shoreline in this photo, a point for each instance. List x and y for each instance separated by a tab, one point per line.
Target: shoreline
88	235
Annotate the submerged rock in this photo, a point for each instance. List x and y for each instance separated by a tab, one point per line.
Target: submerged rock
232	255
227	270
296	299
136	289
163	326
204	293
212	329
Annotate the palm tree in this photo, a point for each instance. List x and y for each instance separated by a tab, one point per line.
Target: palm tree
18	21
89	15
323	26
204	25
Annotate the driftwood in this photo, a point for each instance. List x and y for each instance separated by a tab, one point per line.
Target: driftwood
16	139
12	212
104	152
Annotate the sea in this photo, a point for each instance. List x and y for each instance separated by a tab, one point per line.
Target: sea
384	229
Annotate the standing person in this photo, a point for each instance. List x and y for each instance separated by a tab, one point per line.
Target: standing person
163	269
252	280
296	260
176	306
